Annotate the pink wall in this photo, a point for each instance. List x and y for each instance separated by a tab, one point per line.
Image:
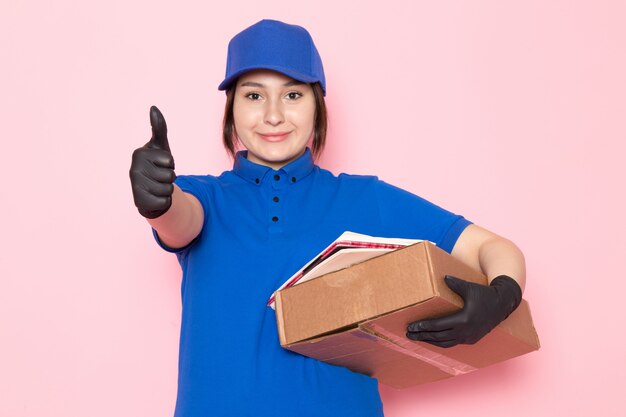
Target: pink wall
511	114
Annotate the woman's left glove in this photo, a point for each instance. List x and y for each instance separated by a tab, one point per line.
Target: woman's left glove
484	308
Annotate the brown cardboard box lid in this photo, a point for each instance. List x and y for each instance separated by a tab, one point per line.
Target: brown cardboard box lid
390	282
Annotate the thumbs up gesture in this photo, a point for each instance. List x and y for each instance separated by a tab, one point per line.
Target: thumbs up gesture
152	171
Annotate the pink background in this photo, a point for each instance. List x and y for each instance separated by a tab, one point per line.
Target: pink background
510	114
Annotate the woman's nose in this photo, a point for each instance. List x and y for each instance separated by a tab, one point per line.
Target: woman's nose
274	113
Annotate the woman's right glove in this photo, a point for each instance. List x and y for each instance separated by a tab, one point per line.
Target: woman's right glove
152	171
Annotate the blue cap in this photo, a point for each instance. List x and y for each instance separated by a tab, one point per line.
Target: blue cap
274	45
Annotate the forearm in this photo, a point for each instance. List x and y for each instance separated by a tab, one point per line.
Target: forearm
500	256
182	222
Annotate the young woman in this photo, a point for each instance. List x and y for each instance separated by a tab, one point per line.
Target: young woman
239	235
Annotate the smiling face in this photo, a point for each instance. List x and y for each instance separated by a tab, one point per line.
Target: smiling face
274	117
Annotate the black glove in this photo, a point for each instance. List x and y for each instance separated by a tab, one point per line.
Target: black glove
484	308
152	171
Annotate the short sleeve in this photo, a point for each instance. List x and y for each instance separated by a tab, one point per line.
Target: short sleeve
407	215
194	185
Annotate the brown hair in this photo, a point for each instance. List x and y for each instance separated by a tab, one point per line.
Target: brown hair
321	121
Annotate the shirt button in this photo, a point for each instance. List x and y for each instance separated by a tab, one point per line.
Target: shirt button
274	219
276	199
293	179
276	177
257	180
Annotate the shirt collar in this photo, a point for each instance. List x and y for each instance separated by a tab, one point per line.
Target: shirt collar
254	173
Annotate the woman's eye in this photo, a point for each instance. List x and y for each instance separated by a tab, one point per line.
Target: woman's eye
294	95
253	96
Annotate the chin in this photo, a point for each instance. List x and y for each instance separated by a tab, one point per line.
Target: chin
276	153
279	155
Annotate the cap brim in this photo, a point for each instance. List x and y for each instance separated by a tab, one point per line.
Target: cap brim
226	84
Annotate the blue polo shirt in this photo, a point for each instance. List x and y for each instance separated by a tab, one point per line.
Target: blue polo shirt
260	227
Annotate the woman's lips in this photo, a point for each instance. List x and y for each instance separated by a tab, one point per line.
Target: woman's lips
275	137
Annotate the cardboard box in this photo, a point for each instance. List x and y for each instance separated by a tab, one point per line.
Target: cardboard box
357	318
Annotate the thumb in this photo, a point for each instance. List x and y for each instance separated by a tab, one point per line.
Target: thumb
457	285
159	130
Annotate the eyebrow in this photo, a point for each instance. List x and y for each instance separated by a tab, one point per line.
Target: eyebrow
287	84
